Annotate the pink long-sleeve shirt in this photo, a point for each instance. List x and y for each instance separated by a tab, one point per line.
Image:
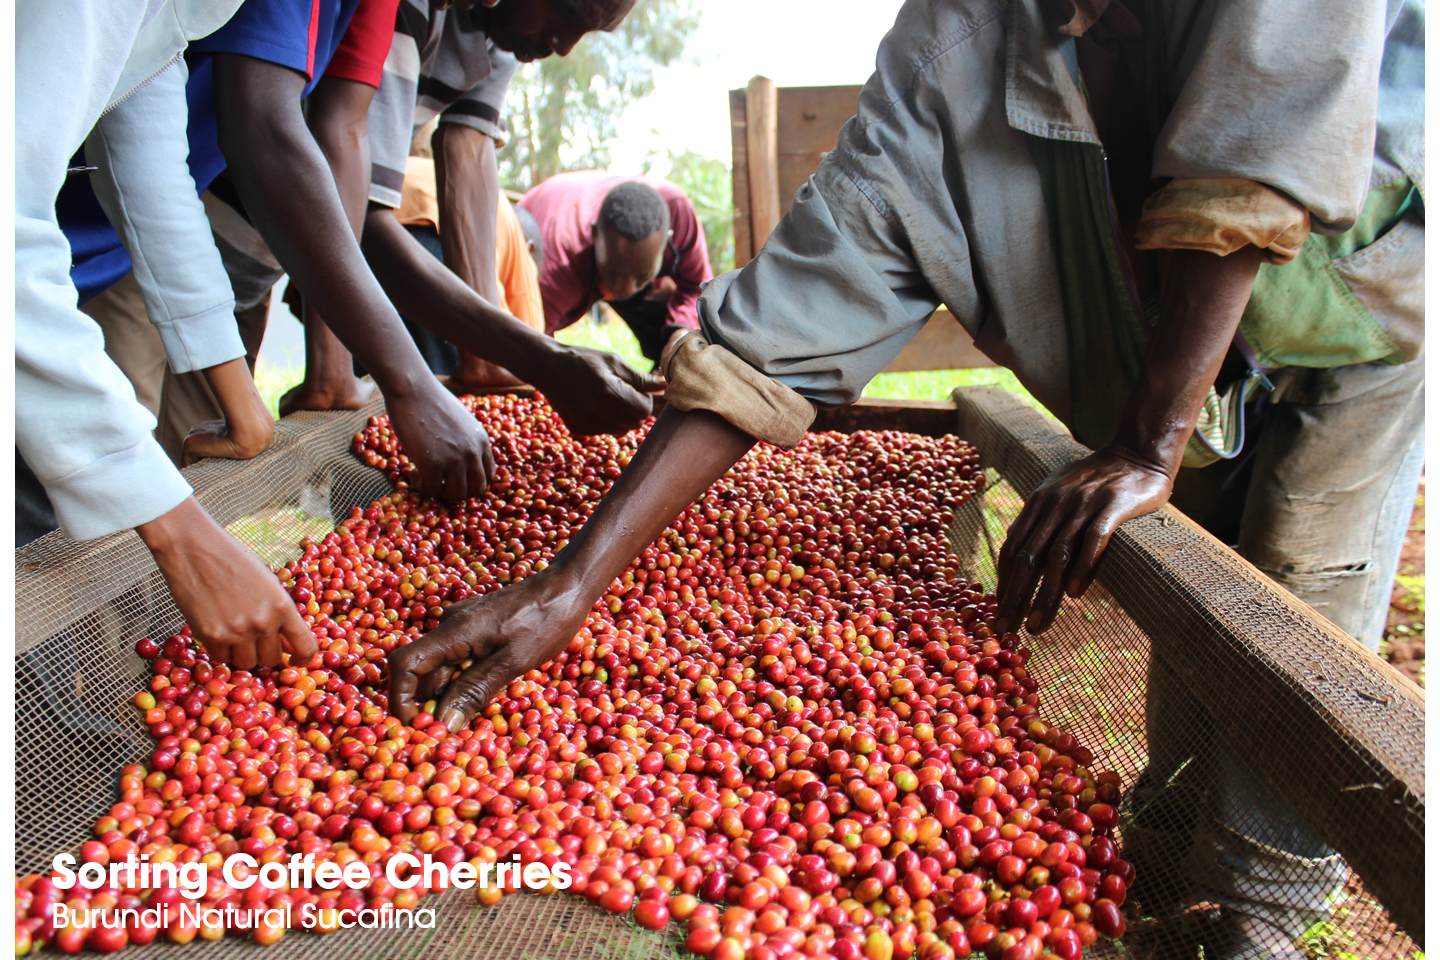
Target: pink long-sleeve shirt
566	206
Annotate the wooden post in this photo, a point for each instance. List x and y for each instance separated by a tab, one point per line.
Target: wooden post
762	149
740	178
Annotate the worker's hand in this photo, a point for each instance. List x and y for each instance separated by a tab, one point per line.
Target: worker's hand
597	392
447	445
1064	529
504	634
248	428
476	373
234	605
349	394
215	438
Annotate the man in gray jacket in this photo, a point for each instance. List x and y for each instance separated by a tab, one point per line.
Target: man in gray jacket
1108	195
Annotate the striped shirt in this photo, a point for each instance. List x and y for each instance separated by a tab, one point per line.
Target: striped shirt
439	62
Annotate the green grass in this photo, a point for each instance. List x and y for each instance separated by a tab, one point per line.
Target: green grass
1327	939
274	535
938	384
612	336
272	382
1414	587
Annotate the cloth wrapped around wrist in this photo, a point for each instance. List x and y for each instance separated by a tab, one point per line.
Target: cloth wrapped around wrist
703	376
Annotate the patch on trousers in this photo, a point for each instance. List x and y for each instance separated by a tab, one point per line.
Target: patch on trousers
1303	582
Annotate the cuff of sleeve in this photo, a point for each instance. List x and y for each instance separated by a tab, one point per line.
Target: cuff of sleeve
368	72
194	343
495	131
703	376
1222	214
117	492
385	196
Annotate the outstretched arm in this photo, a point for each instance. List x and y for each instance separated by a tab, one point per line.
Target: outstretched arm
513	630
248	427
291	195
1060	536
338	116
467	181
593	392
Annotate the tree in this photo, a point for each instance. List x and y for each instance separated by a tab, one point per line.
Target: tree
562	111
707	182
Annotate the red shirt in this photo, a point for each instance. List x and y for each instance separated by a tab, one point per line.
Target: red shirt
565	207
362	51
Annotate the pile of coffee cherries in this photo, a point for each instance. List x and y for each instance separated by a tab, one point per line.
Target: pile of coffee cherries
788	723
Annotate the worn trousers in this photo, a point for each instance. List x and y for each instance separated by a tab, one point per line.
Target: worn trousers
1320	500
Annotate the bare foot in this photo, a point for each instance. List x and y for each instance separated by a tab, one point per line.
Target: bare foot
344	395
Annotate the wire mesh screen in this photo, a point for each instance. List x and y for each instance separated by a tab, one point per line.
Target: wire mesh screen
1273	767
1239	678
80	608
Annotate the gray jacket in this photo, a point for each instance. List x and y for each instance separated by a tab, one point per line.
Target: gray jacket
932	196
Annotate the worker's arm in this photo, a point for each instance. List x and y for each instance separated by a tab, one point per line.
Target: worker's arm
79	426
1067	523
337	114
467	184
513	630
248	427
593	392
142	182
290	194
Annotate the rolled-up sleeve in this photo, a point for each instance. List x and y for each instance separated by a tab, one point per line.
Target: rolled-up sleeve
1309	132
391	120
142	181
1220	215
702	376
482	107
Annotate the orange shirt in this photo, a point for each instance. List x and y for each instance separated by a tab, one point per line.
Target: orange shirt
519	281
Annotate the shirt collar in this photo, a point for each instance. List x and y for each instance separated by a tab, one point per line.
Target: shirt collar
1042	96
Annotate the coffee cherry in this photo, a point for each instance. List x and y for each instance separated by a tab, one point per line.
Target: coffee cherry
789	722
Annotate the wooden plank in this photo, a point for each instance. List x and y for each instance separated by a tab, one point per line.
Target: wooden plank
930	418
809	122
809	118
760	148
740	179
942	345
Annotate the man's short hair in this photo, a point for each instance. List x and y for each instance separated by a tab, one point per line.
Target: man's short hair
635	210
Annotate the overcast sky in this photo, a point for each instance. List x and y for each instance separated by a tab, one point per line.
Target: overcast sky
797	43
